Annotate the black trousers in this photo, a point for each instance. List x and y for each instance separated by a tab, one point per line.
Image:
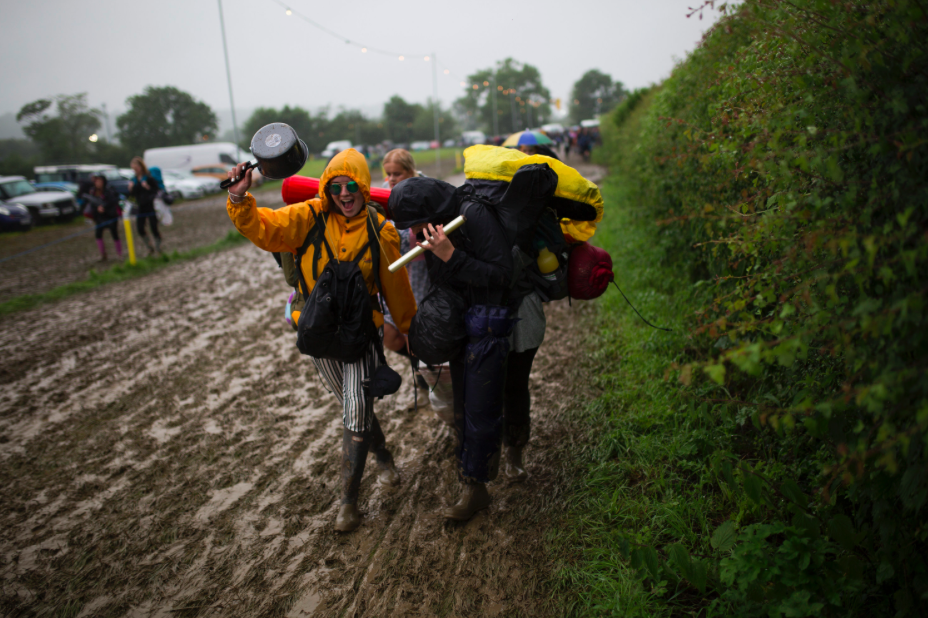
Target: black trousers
516	398
114	230
152	219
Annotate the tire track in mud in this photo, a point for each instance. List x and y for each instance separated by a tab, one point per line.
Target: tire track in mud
166	451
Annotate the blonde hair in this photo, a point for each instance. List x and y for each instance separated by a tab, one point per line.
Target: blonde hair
402	158
141	164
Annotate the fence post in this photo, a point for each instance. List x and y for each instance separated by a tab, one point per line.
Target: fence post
130	245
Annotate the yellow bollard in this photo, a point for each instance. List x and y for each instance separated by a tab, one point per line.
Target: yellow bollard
129	244
457	160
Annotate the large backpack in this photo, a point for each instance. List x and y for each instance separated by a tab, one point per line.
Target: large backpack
337	320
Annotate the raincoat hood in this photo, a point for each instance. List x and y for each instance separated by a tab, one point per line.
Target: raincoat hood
352	164
422	200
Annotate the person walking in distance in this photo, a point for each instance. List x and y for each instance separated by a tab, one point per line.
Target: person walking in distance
333	231
144	188
104	210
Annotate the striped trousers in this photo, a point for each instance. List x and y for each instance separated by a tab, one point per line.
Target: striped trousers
346	382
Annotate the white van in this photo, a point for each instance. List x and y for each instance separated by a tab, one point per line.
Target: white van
195	155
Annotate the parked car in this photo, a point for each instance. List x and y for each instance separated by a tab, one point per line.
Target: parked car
80	174
42	205
335	147
207	183
184	189
70	187
471	138
14	217
420	146
449	143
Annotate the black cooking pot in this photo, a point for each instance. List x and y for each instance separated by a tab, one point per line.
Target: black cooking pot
279	151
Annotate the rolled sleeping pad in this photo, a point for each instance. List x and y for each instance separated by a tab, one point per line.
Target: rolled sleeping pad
298	189
589	271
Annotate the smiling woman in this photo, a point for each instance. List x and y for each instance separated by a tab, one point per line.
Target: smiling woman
337	240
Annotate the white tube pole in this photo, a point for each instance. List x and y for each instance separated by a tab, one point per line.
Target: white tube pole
417	251
225	50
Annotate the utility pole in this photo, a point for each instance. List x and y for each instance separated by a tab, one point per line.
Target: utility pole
528	111
225	50
512	104
495	111
436	111
106	120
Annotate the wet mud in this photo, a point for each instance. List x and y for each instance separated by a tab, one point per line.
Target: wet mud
166	451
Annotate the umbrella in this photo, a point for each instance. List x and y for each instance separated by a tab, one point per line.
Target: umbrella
526	138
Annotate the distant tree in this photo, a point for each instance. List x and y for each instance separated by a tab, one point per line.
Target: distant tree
62	138
302	122
164	116
399	117
521	97
595	93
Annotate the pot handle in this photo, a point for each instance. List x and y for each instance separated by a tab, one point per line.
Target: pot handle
228	182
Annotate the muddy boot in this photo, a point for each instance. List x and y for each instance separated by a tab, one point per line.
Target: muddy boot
513	468
354	456
387	473
102	249
151	249
475	497
158	245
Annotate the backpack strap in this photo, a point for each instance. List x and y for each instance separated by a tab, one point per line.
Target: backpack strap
316	238
373	237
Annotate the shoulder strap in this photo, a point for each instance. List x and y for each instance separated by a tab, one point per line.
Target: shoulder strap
373	238
315	237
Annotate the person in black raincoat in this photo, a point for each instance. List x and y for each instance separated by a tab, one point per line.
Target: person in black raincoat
104	210
475	263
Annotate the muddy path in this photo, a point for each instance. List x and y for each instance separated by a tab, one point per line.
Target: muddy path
166	451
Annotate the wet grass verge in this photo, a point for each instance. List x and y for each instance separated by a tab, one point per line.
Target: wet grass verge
641	487
120	272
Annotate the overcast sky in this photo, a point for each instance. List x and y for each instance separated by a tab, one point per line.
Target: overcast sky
112	49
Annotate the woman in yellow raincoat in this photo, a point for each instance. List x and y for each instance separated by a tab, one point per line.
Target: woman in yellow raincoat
342	204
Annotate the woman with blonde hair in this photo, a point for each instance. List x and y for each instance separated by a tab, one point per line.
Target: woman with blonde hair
144	188
398	165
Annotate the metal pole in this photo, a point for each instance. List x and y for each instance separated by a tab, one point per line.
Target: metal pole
225	51
495	111
528	112
106	118
512	104
435	111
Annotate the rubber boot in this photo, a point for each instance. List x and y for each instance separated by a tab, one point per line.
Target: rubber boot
151	249
102	249
354	455
387	473
513	468
118	244
475	497
158	245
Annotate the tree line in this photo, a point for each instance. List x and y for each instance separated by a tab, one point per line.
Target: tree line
502	99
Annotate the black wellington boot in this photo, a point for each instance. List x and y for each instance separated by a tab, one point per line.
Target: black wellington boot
513	467
475	497
387	469
354	455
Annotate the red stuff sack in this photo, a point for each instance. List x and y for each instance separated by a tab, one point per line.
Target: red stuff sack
589	271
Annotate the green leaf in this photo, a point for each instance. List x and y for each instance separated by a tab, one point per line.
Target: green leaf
791	490
699	575
753	487
723	539
841	530
716	373
649	556
680	559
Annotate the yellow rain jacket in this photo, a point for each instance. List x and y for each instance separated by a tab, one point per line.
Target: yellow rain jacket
285	229
495	163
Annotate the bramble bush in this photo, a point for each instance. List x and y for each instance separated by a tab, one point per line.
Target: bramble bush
786	161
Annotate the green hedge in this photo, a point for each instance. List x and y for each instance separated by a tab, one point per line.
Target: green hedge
786	162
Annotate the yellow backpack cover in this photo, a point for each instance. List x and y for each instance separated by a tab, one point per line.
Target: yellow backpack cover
495	163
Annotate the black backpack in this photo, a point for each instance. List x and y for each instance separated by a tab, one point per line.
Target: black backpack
337	320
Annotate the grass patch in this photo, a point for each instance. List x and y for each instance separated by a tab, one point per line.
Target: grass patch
120	272
639	484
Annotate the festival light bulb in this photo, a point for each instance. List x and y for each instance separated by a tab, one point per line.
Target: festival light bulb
289	12
402	58
363	50
426	58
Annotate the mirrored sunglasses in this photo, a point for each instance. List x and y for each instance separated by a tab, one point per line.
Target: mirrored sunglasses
335	188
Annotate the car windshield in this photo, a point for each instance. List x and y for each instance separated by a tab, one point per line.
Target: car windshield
112	175
16	188
51	177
